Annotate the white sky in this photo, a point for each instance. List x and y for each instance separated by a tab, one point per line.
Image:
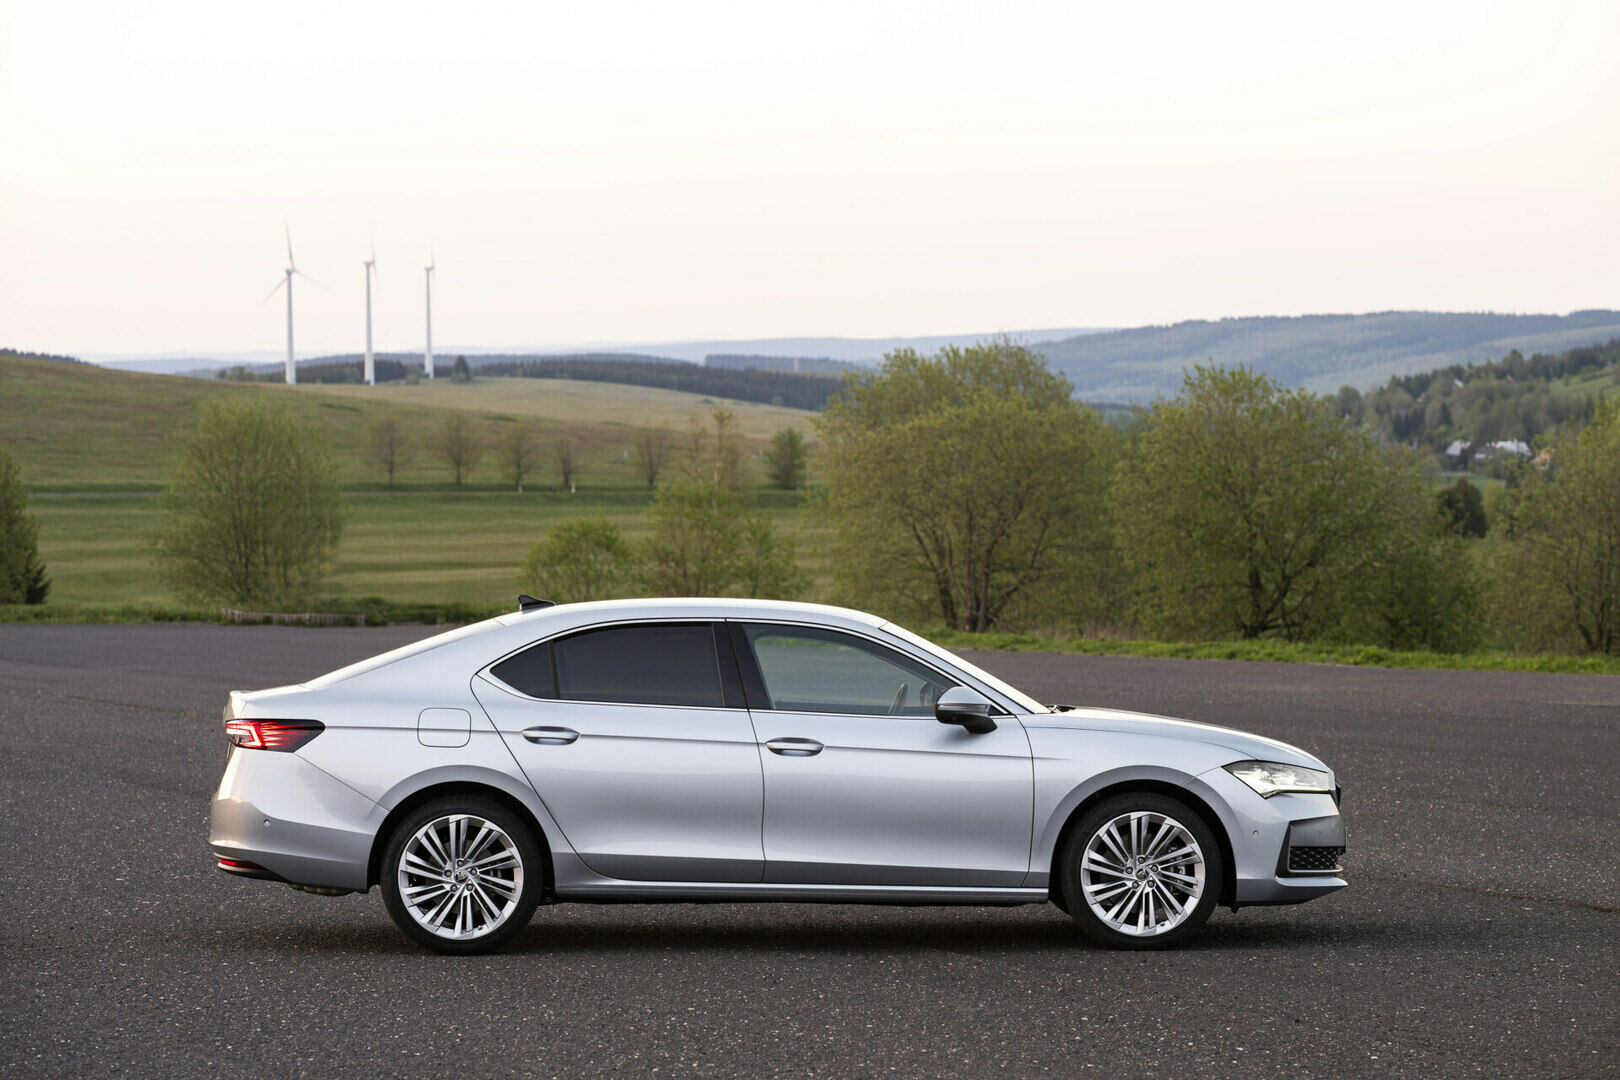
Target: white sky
629	171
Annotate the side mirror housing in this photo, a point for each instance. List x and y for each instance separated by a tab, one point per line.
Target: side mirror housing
967	709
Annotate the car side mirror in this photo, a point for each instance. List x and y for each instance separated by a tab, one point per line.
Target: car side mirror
968	709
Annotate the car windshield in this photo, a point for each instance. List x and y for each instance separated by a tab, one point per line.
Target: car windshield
1023	700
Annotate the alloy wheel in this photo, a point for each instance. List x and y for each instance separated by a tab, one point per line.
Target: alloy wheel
460	876
1142	873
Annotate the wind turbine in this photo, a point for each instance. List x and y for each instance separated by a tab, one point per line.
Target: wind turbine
427	354
371	270
292	268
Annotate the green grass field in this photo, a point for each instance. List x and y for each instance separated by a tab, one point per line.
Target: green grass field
427	547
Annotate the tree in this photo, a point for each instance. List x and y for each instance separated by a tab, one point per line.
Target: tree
651	447
461	373
458	443
785	459
968	486
1420	588
1244	508
517	453
391	445
567	458
579	559
702	541
253	508
1562	559
1463	508
712	453
22	575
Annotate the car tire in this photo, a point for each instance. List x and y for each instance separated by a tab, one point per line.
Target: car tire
1175	873
472	906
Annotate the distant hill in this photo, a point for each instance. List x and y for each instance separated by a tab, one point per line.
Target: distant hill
781	388
1319	352
867	352
825	365
1511	399
83	427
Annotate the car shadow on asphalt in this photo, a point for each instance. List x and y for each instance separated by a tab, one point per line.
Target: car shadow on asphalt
694	930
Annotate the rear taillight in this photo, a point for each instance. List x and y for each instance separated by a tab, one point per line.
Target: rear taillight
281	735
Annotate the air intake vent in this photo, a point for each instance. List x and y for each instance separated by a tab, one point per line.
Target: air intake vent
1305	860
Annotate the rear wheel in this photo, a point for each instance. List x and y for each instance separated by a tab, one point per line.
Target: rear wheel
462	875
1141	871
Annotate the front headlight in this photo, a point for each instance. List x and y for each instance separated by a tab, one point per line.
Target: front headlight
1271	777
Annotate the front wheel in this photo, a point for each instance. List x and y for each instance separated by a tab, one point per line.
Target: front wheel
1141	871
462	875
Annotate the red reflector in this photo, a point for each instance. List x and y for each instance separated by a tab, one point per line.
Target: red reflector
238	864
272	734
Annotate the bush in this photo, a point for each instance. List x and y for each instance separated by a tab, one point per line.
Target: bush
1559	563
579	559
22	575
253	508
704	542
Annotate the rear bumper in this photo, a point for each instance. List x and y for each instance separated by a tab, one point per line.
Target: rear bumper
289	821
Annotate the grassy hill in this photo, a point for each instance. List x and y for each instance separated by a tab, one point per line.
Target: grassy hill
75	427
1319	352
101	437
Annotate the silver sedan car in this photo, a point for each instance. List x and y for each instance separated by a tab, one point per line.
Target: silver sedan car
680	750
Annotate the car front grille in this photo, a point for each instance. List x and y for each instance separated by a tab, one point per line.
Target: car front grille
1313	859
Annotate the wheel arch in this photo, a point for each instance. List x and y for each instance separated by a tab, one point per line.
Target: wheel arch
447	789
1181	792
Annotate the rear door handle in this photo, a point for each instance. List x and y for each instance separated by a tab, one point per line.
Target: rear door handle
794	747
550	736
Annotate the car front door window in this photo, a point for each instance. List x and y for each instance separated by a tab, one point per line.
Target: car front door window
809	670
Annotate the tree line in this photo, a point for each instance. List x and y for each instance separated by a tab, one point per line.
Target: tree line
459	443
794	390
969	489
1509	399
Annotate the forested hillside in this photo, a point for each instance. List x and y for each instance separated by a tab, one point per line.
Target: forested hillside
1509	399
1318	352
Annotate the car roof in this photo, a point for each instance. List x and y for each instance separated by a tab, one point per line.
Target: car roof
711	607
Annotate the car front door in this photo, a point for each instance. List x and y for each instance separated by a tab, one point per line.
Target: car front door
863	786
636	738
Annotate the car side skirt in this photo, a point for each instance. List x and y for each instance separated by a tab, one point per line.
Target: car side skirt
689	892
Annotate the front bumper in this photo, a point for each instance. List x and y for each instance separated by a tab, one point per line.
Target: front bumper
289	821
1274	839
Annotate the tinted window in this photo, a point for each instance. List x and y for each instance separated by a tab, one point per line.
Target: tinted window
811	670
530	672
640	665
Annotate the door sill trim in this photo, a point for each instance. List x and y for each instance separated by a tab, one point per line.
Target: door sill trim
688	891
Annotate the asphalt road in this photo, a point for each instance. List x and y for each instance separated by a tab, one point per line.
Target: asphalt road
1478	936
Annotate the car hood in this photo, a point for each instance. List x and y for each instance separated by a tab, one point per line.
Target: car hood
1243	745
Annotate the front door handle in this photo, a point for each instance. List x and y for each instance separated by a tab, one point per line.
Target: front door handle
551	736
794	747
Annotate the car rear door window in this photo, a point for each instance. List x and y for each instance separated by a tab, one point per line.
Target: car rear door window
672	664
807	669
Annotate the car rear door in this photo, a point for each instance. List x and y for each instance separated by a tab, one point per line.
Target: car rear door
636	738
862	785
